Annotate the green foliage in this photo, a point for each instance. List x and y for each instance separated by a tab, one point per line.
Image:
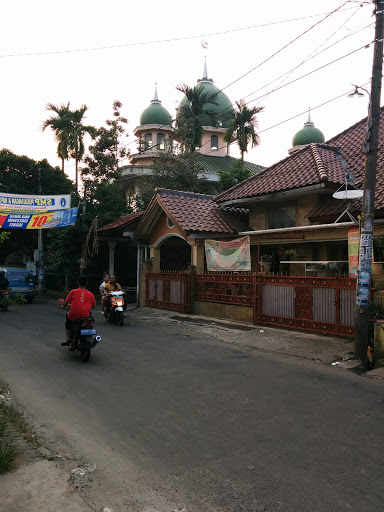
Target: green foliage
4	236
378	248
191	114
104	198
243	126
11	300
175	172
235	175
8	456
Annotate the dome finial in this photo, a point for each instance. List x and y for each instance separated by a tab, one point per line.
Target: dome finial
156	96
205	73
309	120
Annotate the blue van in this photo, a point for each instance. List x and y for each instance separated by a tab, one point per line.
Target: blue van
21	282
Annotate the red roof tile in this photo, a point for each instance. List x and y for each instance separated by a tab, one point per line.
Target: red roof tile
121	221
313	164
198	213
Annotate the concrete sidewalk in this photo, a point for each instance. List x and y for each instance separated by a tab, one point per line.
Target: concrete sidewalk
304	345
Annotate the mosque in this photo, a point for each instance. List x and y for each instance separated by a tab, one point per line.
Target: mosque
155	133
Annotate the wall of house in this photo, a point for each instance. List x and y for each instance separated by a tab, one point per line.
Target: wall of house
206	144
162	229
227	311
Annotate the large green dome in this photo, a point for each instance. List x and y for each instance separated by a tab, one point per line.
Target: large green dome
223	102
156	113
308	135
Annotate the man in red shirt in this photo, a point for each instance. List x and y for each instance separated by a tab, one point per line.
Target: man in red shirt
82	301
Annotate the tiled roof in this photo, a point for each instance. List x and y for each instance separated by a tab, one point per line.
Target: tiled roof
121	221
211	163
314	164
297	170
198	213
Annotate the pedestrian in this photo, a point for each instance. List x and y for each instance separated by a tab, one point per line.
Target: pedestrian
82	301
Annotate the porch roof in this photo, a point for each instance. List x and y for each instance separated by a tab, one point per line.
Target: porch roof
192	213
127	222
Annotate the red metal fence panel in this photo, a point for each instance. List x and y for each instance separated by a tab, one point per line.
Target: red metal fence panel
324	305
225	288
168	291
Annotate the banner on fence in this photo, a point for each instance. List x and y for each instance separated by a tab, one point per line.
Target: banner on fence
233	256
353	251
55	219
30	203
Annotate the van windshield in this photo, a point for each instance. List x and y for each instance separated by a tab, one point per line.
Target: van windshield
20	277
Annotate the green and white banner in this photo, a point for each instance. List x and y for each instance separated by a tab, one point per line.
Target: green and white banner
231	256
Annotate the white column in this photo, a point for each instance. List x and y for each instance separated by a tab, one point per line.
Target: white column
112	246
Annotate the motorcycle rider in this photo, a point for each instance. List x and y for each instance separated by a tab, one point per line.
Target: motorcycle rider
4	283
82	301
109	287
102	290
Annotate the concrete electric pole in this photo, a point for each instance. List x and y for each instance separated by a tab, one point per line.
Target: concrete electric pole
371	144
40	240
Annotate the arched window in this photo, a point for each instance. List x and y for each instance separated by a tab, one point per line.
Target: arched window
214	142
148	140
161	141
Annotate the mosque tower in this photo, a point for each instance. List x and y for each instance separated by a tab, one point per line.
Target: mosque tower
307	135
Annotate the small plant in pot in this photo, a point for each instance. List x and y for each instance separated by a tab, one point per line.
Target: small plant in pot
147	263
265	262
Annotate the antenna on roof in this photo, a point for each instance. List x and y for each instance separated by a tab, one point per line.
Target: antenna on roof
347	193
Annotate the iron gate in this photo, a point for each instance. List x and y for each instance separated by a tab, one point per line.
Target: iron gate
168	290
324	305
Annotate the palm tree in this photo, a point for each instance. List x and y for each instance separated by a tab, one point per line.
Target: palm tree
73	136
58	124
191	114
242	127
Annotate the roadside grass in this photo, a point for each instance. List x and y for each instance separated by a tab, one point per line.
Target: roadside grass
13	416
13	424
8	457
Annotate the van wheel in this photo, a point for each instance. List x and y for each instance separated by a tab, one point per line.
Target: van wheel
29	300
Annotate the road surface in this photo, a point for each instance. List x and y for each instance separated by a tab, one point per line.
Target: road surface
173	419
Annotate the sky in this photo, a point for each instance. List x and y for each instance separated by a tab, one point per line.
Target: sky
141	43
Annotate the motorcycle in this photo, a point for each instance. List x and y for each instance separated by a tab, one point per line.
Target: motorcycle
4	300
115	308
84	336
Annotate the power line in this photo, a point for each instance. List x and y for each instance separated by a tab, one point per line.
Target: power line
284	47
160	41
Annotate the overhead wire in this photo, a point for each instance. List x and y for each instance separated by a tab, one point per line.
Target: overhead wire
168	40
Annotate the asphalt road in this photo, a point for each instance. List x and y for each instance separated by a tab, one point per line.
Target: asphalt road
175	420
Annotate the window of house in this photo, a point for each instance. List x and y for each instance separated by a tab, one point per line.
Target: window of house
148	140
214	142
161	141
282	216
170	224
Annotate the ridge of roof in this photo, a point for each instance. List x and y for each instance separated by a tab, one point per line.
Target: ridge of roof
181	193
120	221
319	162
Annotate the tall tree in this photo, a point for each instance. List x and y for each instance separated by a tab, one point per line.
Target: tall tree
194	108
242	126
59	123
73	135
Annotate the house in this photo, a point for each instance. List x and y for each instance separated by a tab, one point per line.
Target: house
294	221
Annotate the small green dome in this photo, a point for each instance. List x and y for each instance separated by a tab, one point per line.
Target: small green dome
308	135
222	108
156	114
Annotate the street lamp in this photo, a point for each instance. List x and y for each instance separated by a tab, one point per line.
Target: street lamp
356	93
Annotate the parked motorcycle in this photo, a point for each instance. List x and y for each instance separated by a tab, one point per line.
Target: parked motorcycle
115	308
84	337
4	300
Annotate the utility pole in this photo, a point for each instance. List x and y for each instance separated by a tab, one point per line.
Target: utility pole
371	144
40	241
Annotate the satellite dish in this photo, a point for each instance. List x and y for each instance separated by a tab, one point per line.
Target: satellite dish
204	43
348	194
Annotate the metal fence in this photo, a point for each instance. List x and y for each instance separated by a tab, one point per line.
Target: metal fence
169	290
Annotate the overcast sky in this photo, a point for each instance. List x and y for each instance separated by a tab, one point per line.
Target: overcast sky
237	43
